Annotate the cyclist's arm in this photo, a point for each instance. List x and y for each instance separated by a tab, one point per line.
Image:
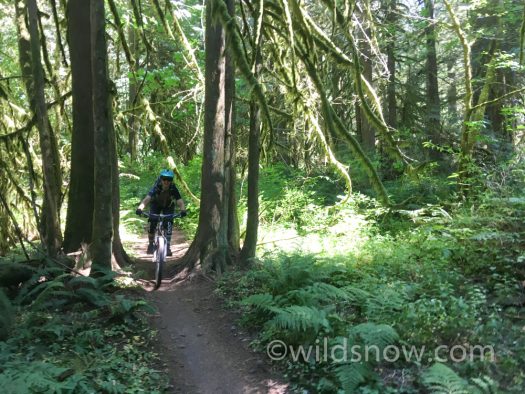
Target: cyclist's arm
145	202
180	204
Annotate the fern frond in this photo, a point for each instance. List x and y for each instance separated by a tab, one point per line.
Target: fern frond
50	288
383	302
351	375
357	295
301	297
486	385
377	303
316	294
37	284
328	291
262	301
440	379
92	296
299	318
106	279
380	335
125	307
82	281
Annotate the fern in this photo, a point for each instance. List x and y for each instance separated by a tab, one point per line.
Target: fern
38	283
299	318
123	307
296	271
262	301
357	295
83	281
92	296
317	294
486	385
328	291
383	303
352	375
107	280
35	377
48	293
440	379
380	335
377	304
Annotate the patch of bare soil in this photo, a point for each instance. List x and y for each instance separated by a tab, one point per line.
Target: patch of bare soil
203	349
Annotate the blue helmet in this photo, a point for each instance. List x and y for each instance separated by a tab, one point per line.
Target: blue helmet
166	174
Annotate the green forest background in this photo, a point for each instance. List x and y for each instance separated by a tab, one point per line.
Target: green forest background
384	140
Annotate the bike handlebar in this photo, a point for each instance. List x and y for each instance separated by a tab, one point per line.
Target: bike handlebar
161	216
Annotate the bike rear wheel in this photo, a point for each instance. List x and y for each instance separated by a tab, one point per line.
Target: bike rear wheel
160	256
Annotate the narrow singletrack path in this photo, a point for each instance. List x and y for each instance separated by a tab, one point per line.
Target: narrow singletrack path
200	344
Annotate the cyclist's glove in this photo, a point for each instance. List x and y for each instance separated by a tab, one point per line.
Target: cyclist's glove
138	211
183	213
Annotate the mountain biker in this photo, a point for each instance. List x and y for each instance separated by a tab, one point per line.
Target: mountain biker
162	196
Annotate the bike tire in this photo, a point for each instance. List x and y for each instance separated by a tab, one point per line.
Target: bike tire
160	256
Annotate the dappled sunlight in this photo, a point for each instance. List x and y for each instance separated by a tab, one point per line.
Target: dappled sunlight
347	174
272	387
347	236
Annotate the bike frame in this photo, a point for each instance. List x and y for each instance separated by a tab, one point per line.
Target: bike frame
160	244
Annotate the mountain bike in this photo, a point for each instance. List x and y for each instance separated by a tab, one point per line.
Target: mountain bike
160	244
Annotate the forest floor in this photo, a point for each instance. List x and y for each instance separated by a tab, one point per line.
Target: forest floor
200	344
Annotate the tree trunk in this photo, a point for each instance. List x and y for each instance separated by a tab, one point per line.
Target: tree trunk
452	93
433	104
119	254
367	132
391	64
231	216
387	167
79	221
132	99
252	224
503	79
100	248
211	241
24	57
50	220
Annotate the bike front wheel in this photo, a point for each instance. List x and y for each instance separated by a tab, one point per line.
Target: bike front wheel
160	256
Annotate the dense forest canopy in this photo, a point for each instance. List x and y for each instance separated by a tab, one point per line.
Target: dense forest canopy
404	108
393	88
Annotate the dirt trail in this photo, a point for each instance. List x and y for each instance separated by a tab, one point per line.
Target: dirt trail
203	349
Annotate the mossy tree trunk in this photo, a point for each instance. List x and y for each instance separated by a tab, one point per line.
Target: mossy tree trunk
391	64
433	103
212	243
100	248
50	219
232	231
79	221
366	131
133	124
254	147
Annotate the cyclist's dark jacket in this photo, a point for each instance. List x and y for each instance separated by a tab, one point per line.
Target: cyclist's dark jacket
163	198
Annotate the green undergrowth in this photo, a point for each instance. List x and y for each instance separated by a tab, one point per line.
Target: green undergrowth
438	281
69	334
440	284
